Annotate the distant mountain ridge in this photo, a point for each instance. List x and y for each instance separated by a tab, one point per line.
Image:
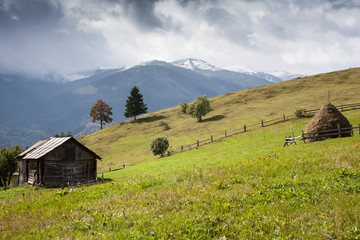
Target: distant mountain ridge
195	64
37	109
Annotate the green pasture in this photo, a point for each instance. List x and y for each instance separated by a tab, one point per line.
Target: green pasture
245	186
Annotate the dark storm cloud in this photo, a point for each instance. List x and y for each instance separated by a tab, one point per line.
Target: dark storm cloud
37	37
349	4
142	11
235	28
18	14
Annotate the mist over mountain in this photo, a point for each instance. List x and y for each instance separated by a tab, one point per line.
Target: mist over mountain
39	108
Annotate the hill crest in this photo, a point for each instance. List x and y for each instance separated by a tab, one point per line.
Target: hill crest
128	142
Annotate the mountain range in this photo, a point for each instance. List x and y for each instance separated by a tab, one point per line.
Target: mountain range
34	109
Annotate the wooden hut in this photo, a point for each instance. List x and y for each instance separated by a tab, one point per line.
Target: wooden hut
57	162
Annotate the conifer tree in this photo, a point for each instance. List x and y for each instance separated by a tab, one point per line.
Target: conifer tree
101	111
135	104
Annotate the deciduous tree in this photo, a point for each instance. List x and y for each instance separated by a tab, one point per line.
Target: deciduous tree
135	104
8	164
101	111
199	108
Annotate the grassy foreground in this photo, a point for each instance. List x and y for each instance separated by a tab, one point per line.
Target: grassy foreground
245	187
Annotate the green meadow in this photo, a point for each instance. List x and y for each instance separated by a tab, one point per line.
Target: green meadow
245	186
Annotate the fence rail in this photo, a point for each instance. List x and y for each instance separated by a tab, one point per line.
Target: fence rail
341	107
322	135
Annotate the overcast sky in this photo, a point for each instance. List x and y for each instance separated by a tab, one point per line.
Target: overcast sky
64	36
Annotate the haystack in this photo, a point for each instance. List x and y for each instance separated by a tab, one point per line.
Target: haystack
327	118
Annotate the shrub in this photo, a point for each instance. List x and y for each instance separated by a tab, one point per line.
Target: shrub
183	107
300	113
159	146
164	124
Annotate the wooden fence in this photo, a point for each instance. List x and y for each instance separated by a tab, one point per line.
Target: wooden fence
341	107
262	123
321	135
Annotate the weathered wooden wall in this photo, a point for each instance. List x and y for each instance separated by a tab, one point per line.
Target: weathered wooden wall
70	163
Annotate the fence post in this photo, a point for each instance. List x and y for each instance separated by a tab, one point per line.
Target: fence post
262	123
303	136
359	129
338	125
197	143
225	133
182	148
284	117
293	138
244	128
212	138
109	169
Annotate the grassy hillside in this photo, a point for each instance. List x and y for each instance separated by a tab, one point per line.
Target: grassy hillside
129	142
245	187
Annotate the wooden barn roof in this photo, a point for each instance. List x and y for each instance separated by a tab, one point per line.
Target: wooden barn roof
43	147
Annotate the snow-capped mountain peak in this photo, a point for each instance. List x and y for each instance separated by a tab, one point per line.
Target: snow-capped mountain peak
271	76
285	75
239	68
191	64
195	64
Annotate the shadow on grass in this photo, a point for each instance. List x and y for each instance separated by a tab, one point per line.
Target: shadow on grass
149	119
214	118
105	180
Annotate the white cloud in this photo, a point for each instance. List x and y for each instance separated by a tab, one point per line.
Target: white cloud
65	36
